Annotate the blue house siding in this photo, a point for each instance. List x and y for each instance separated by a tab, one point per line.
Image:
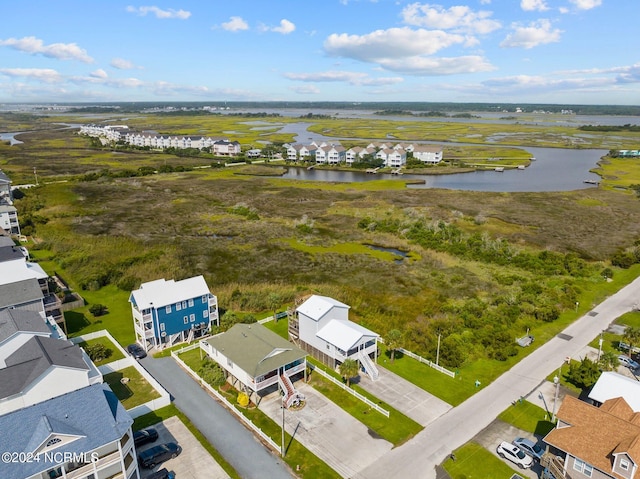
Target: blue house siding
174	322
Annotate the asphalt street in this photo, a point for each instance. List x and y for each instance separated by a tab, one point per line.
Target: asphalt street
239	447
418	457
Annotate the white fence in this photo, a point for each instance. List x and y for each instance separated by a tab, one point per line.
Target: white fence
428	363
127	361
219	396
355	393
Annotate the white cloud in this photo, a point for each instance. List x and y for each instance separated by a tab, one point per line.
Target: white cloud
235	24
99	73
122	64
159	13
536	33
285	27
60	51
389	44
46	75
563	10
456	18
433	66
534	5
353	78
586	4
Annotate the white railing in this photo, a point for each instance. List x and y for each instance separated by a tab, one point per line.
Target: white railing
355	393
428	363
368	365
224	400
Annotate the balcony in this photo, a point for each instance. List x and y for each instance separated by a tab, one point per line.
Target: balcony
85	469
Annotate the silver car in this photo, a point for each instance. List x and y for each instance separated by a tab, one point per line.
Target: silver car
530	447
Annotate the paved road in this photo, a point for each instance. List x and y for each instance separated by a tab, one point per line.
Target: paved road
238	446
418	457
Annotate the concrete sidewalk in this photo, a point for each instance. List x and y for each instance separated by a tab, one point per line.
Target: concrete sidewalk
404	396
329	432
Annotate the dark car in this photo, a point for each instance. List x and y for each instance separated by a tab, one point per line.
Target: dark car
157	454
136	351
162	474
144	436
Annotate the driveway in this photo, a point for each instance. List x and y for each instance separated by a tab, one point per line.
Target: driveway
321	426
194	462
250	458
404	396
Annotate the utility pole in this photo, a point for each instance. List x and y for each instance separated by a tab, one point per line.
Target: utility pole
438	351
556	381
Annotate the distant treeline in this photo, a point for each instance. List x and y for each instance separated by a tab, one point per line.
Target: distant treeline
626	127
630	110
434	114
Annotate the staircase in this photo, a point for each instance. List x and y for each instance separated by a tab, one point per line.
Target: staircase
368	366
292	396
190	336
553	465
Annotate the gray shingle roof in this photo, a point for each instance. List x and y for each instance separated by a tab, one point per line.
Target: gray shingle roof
93	414
19	292
16	320
10	253
34	357
256	349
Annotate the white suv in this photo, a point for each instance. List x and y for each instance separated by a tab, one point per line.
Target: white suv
516	455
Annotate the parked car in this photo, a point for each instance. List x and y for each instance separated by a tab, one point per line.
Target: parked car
157	454
527	445
628	362
145	436
136	351
162	474
516	455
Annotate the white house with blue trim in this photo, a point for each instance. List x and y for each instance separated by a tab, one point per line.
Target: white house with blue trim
166	312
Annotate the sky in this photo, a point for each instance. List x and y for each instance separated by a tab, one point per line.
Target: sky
528	51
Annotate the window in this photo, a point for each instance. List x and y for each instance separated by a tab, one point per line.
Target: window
185	319
184	305
204	299
583	467
205	314
161	326
56	440
192	318
178	308
191	303
624	464
168	309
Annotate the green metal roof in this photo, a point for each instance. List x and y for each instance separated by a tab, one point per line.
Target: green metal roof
256	349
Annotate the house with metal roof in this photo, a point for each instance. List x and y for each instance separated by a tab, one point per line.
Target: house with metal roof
79	435
611	385
257	359
594	442
166	312
321	326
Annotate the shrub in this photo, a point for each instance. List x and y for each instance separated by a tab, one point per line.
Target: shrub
212	373
243	399
98	352
98	309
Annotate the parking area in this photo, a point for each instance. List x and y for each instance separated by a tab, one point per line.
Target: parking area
194	462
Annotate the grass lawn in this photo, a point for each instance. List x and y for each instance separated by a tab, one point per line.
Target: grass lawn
106	342
396	429
280	327
451	390
169	411
472	461
630	319
135	392
528	417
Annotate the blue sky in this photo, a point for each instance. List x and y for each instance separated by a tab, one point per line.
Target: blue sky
537	51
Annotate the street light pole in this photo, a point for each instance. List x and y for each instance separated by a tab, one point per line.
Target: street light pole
438	351
600	341
284	395
556	381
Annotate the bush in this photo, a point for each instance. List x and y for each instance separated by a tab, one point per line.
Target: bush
212	373
98	309
243	399
98	352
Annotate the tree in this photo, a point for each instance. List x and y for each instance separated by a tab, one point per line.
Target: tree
98	352
98	309
394	340
585	374
608	361
631	337
349	369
